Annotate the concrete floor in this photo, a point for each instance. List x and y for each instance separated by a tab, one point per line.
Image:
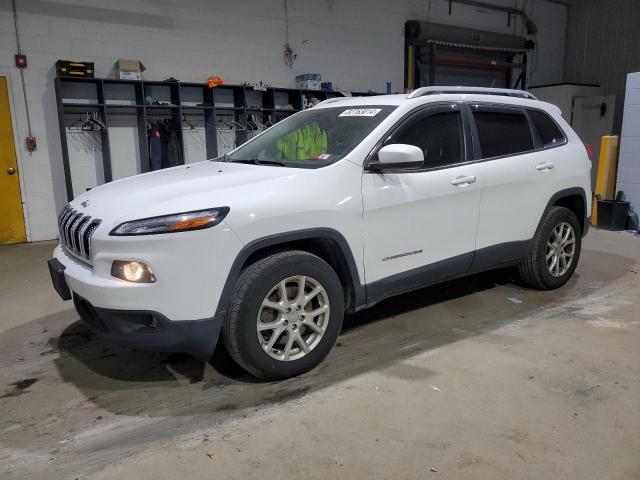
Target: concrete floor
454	381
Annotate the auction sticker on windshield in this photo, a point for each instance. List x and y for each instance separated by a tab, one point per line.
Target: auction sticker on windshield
360	112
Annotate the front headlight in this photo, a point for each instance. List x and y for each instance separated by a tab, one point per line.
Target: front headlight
177	222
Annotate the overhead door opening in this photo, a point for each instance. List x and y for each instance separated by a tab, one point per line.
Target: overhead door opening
443	55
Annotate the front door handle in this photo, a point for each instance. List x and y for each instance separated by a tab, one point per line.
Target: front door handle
462	181
545	166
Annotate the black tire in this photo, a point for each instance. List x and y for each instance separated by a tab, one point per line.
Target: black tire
534	271
256	281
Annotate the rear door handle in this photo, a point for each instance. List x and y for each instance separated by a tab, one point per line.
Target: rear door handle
462	181
545	166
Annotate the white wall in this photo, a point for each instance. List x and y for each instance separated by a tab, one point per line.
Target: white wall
356	44
629	161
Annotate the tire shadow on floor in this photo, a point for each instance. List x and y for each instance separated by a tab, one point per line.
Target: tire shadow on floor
126	381
372	339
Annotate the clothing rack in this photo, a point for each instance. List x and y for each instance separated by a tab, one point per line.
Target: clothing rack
243	109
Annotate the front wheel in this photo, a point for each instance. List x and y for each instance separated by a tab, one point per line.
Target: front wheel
285	315
556	250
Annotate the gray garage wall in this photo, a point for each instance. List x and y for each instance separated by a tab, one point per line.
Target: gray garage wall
357	44
603	45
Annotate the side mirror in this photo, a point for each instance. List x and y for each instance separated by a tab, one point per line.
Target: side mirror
398	155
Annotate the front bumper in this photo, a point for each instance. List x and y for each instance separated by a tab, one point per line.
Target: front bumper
191	269
150	330
179	312
147	330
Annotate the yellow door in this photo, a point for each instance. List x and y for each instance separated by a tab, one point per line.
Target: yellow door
11	216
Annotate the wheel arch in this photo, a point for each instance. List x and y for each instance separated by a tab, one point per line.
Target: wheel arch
574	199
325	243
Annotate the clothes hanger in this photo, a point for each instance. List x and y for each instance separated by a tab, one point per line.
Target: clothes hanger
187	122
236	125
223	124
95	119
88	123
251	124
75	126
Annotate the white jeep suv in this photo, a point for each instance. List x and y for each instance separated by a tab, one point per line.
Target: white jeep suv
331	210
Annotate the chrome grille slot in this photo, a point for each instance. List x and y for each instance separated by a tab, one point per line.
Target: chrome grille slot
76	230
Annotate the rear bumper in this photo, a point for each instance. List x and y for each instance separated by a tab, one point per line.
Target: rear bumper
149	330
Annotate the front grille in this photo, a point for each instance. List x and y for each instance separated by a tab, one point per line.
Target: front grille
76	230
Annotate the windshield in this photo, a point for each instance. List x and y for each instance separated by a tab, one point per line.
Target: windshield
313	138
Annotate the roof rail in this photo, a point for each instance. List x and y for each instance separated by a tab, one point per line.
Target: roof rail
506	92
329	100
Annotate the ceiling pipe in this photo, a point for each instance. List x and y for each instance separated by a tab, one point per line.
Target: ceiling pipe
532	29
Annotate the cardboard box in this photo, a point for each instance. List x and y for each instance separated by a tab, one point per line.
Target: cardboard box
308	76
129	69
308	84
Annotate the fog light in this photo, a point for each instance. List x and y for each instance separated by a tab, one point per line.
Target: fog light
137	272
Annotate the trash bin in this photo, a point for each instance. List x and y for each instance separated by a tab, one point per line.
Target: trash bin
612	214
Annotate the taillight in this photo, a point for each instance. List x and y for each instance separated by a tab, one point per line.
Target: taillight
589	148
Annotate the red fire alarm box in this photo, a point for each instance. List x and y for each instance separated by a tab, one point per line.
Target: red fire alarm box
21	60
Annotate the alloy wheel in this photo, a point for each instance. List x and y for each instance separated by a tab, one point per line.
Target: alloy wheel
560	250
292	318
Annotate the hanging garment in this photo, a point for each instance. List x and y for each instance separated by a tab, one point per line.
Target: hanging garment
315	141
171	147
290	145
155	149
304	144
174	151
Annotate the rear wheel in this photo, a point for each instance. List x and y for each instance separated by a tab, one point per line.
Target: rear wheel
556	250
285	315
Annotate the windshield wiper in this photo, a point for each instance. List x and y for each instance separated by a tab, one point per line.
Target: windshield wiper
256	161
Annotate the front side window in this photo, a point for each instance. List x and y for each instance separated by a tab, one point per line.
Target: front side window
314	138
502	132
440	136
549	132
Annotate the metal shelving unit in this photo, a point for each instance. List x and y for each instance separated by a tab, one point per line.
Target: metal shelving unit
75	96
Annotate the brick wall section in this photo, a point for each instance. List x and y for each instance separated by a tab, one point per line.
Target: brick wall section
357	44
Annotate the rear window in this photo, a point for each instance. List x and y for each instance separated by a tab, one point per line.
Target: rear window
503	132
549	132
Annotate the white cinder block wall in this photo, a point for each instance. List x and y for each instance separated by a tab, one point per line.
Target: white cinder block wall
356	44
629	161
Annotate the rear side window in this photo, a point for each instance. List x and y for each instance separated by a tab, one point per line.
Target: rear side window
503	132
549	132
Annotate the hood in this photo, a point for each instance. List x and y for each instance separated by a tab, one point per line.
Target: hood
188	187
